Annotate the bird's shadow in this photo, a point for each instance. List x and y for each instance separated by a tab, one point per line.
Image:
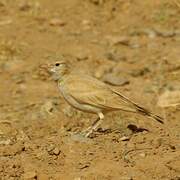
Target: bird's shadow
136	129
131	127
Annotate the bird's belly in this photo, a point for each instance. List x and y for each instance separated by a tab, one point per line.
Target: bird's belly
80	106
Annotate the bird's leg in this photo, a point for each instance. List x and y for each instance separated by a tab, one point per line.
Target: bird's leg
90	127
95	124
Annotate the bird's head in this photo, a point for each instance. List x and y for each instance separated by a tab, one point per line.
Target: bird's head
58	70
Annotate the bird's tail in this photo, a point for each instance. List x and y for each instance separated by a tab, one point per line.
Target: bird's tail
148	113
140	109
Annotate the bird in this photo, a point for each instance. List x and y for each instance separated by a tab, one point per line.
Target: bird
91	95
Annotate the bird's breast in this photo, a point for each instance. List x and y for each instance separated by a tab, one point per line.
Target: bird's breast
80	106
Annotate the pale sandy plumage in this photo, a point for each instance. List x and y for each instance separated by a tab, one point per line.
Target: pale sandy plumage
91	95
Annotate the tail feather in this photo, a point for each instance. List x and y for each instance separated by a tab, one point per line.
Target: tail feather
140	109
150	114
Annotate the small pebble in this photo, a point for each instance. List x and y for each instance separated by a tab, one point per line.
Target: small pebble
43	177
112	79
142	155
114	56
30	175
125	138
97	2
165	33
139	72
56	151
80	138
116	40
56	22
24	6
81	56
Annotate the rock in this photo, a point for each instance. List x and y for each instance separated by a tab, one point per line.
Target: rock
47	107
97	2
139	72
56	151
115	80
43	177
144	31
2	3
86	24
134	45
116	40
169	99
100	71
50	148
165	33
83	165
41	73
56	22
77	178
174	165
150	33
80	138
18	78
6	22
25	6
154	32
14	65
125	138
114	56
30	175
81	55
69	111
5	142
142	155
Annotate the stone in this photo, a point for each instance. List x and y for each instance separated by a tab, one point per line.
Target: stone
30	175
56	151
116	40
164	32
143	155
169	99
115	80
125	138
114	56
57	22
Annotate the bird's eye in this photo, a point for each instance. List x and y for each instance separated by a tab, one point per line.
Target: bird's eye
57	64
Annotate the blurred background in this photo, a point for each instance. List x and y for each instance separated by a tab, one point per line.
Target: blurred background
133	45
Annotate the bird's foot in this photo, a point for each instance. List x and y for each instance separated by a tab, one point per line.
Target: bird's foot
86	133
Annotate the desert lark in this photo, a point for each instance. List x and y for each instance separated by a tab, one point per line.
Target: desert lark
88	94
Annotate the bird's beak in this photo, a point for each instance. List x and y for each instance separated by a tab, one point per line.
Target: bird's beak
52	70
47	67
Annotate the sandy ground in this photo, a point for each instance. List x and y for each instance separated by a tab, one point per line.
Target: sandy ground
132	44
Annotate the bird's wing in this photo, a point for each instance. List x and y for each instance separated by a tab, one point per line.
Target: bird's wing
88	90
